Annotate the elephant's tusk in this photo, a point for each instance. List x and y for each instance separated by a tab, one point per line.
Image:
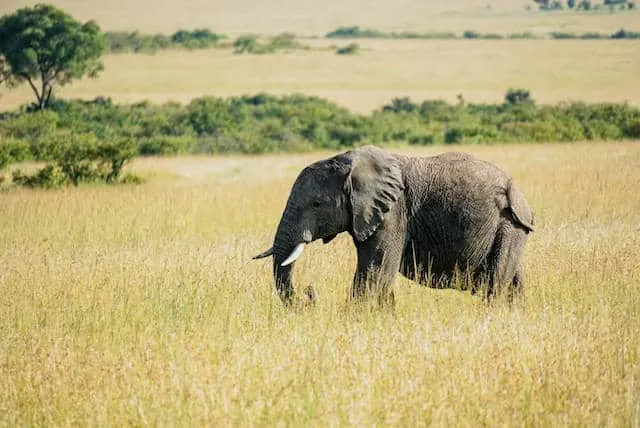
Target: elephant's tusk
267	253
294	254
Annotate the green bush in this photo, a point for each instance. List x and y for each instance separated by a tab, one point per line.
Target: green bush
49	177
122	41
350	49
251	45
74	155
80	158
267	123
112	156
33	126
521	36
518	96
592	36
286	41
354	32
118	42
5	158
166	145
422	140
559	35
486	36
13	150
453	136
623	34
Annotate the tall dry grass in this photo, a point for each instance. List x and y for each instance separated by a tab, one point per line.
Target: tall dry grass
138	305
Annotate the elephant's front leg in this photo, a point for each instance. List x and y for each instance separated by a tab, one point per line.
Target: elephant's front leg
378	264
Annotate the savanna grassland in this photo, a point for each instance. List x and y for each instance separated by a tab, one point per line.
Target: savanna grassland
135	305
140	304
310	18
480	70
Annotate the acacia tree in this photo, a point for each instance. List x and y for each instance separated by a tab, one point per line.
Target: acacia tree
45	46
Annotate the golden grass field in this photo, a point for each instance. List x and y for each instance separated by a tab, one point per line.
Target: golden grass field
310	17
480	70
139	305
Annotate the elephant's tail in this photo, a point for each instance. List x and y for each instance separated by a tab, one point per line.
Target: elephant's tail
519	207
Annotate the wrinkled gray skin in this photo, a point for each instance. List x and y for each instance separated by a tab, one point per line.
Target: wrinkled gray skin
424	217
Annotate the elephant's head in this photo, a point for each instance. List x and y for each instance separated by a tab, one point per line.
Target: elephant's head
349	192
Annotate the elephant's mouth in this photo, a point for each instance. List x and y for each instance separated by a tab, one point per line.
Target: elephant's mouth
284	256
297	250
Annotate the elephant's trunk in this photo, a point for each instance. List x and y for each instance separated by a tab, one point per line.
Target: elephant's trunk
287	247
283	276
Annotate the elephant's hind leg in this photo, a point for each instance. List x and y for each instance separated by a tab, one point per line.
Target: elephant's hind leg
503	263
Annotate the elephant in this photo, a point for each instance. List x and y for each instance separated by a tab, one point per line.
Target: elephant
429	218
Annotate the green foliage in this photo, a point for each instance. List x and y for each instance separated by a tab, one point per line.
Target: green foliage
399	105
551	5
355	32
251	44
118	42
350	49
13	150
150	43
475	35
561	35
453	135
521	36
584	5
80	158
92	140
286	41
45	46
49	177
248	44
623	34
112	156
166	145
592	36
518	96
199	39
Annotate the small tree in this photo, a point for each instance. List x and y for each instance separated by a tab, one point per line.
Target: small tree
350	49
248	43
584	5
518	96
45	46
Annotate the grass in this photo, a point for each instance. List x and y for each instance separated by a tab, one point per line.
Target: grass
480	70
137	305
308	17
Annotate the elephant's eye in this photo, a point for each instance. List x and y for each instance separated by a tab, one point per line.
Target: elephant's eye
316	204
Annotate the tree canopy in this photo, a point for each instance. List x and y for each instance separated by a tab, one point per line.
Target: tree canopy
44	46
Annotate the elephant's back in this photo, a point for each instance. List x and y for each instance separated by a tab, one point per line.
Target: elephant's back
457	179
454	203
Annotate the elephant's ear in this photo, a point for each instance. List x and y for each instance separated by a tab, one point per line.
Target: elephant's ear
374	185
520	208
